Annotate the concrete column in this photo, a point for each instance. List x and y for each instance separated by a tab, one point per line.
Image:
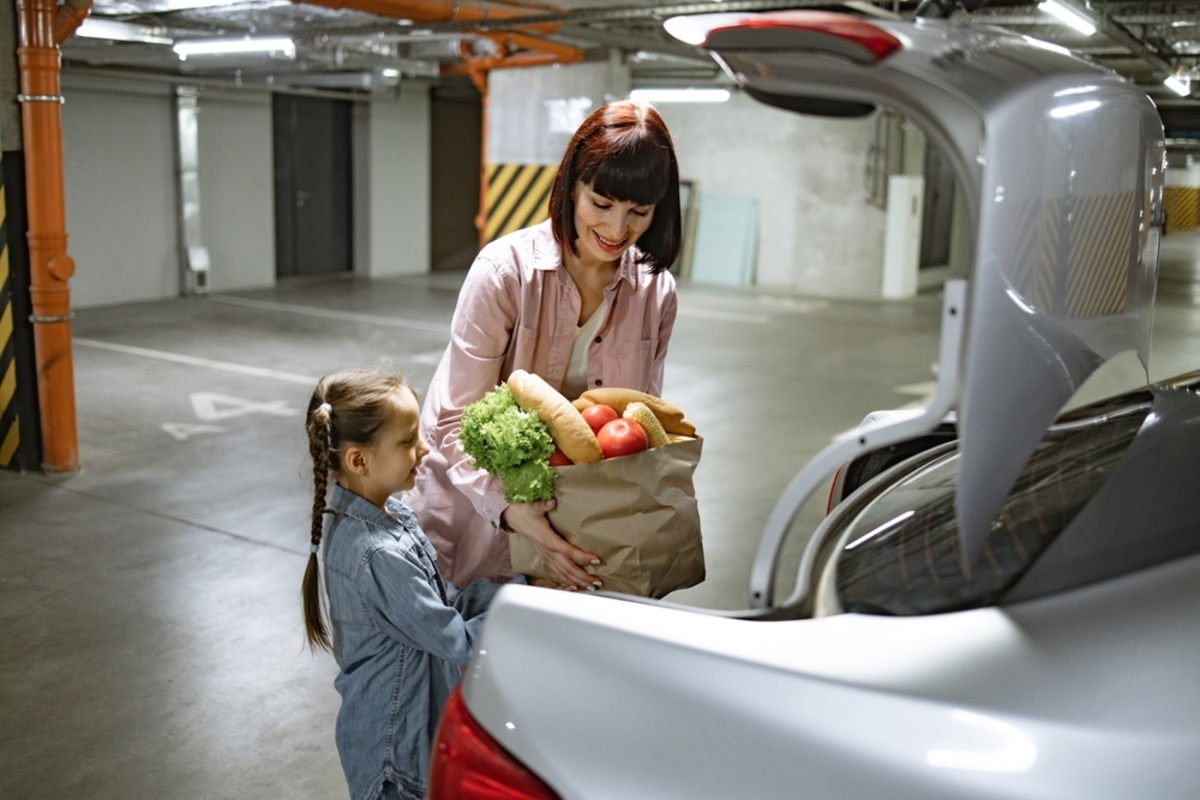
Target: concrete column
392	191
902	240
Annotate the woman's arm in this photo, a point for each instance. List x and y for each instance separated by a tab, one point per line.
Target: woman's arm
566	561
480	332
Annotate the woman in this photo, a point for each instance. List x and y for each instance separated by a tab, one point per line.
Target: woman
584	299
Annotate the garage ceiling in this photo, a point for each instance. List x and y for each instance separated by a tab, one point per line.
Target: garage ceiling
348	50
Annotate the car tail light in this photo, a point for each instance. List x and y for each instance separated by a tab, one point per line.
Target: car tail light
468	764
867	42
833	486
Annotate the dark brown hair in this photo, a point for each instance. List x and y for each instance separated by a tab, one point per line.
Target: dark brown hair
348	407
623	152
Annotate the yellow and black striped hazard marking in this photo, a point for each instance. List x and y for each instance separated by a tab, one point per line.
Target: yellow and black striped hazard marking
1182	207
517	197
1083	268
10	429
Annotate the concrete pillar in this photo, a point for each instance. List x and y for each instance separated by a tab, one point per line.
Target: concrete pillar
392	191
902	237
1181	198
20	421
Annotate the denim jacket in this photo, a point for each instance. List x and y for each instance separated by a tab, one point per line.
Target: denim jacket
400	636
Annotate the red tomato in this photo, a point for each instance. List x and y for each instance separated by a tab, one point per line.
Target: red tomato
622	437
598	415
559	459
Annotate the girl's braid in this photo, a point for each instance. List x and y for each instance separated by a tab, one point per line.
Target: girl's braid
320	445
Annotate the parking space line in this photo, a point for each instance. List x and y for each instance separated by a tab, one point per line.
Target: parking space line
328	313
178	358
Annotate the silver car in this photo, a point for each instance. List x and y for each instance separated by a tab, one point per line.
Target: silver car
1005	601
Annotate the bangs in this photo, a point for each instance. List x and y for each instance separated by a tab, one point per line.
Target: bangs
635	170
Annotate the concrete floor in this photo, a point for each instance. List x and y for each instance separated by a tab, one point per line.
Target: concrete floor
153	644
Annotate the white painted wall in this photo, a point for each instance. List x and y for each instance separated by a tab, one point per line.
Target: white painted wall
119	181
120	195
534	111
818	235
397	193
237	189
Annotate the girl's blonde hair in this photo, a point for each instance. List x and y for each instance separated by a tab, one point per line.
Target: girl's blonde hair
348	407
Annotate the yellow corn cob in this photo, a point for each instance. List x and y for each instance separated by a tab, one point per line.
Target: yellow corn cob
641	414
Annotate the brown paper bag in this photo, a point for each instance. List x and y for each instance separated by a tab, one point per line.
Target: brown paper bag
637	513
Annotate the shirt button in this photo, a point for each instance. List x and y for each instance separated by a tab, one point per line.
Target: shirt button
597	340
599	382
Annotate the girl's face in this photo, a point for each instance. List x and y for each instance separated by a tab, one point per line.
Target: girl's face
389	463
607	228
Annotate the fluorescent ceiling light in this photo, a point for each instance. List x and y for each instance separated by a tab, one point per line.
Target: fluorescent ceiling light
196	47
680	95
1178	85
113	31
1068	16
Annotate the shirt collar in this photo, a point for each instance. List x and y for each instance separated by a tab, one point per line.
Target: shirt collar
548	255
344	501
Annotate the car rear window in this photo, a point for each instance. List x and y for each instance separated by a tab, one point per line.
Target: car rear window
900	554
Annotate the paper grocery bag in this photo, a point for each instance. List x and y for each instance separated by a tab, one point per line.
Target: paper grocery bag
637	513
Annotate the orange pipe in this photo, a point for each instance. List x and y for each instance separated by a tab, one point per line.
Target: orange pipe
561	53
432	11
50	266
69	17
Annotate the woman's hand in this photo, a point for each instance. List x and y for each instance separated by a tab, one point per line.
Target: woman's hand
564	559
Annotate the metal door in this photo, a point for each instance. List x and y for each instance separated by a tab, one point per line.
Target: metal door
312	185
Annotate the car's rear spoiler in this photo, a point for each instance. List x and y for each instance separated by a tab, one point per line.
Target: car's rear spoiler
1061	164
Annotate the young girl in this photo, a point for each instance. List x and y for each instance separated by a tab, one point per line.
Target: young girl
400	633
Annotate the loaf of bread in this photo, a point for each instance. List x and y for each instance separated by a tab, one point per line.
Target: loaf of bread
567	427
669	415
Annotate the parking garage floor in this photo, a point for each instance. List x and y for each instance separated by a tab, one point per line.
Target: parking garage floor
149	604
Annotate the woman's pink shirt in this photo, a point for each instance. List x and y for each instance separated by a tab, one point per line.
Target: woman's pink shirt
518	309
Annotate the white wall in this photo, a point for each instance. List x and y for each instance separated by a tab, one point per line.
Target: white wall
534	111
397	187
817	234
237	189
120	195
119	180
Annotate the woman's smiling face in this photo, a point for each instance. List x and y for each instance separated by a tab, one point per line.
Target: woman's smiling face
606	228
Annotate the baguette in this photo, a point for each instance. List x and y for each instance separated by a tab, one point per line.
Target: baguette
669	415
567	427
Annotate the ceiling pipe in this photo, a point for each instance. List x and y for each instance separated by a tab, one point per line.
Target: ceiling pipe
434	11
40	24
540	51
69	17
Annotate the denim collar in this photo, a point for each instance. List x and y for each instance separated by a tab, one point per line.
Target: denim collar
344	501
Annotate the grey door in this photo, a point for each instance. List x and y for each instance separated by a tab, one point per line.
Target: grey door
312	185
939	209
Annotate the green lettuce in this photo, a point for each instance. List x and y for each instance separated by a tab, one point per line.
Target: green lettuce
510	443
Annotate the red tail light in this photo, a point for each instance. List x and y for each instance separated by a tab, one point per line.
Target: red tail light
858	38
468	764
833	485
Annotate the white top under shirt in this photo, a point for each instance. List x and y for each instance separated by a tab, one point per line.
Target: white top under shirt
575	381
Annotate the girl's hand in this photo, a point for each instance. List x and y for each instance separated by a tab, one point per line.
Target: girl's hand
564	559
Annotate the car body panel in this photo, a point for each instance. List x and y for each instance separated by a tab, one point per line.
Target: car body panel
612	699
